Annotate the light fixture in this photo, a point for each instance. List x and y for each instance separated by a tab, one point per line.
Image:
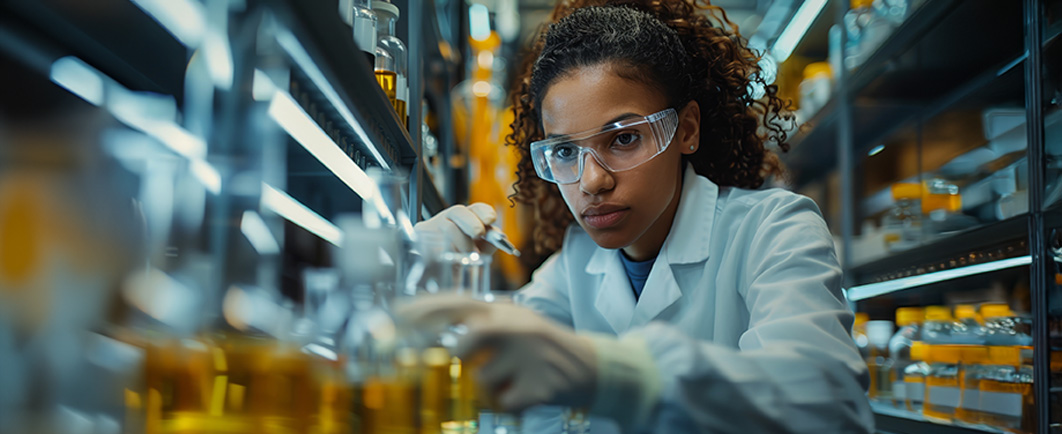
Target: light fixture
795	30
479	22
863	292
257	232
291	45
290	116
184	19
297	213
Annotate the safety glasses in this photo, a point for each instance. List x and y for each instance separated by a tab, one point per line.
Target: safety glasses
620	146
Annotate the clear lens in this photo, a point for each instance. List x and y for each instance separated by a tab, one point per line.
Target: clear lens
618	147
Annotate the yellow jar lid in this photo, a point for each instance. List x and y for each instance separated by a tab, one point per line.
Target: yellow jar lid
995	310
909	315
858	4
1010	356
906	190
861	318
964	311
938	313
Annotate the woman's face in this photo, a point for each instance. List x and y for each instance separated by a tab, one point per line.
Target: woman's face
632	209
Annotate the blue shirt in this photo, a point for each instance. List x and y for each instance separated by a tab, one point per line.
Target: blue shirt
637	272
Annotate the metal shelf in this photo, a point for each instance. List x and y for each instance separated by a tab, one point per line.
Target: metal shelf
1005	239
326	54
889	419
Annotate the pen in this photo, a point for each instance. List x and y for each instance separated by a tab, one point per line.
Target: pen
497	238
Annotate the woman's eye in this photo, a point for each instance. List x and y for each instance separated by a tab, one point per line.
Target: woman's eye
565	152
626	139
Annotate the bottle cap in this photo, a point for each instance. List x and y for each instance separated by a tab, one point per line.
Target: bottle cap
945	354
965	311
973	354
1009	356
906	190
938	313
385	7
909	315
818	69
995	310
859	4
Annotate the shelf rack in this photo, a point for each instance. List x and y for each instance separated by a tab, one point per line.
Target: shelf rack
929	79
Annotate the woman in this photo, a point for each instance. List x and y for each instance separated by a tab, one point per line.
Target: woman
682	299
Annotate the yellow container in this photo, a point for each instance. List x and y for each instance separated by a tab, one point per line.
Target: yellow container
943	393
938	313
1006	397
914	377
973	359
995	310
909	315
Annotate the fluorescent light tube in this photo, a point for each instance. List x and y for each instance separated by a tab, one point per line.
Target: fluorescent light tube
795	30
863	292
287	113
297	213
291	44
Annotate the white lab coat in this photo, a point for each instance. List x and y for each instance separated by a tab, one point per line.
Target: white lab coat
742	313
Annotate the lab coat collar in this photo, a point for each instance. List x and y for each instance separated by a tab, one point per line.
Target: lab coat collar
687	242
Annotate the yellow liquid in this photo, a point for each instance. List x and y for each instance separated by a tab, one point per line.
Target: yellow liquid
390	406
237	384
435	390
400	109
962	412
388	81
1026	423
934	411
464	406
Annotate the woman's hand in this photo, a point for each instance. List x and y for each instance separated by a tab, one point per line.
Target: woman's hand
463	227
526	359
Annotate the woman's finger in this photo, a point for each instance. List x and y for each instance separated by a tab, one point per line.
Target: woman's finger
468	221
485	212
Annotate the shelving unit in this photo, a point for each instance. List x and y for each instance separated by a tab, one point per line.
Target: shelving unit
924	87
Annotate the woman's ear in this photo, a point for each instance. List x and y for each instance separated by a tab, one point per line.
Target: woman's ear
688	133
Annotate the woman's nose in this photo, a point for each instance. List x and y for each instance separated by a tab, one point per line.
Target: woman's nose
595	178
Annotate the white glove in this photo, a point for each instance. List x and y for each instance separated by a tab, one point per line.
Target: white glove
528	359
463	227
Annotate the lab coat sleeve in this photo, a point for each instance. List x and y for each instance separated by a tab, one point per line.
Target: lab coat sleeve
797	370
547	293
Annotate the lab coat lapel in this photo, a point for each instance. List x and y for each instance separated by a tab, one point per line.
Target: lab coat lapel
615	297
688	242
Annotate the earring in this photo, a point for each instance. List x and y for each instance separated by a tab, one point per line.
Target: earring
692	147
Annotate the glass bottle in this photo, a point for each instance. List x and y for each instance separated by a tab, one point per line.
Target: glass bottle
903	223
973	359
909	319
859	334
391	70
914	377
1006	398
364	22
938	325
865	32
1005	328
879	361
967	327
381	364
942	383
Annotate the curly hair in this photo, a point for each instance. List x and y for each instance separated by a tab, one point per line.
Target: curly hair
670	45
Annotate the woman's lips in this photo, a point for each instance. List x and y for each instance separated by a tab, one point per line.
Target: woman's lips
606	220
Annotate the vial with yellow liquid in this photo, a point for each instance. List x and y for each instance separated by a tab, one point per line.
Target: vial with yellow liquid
942	383
1007	391
973	359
